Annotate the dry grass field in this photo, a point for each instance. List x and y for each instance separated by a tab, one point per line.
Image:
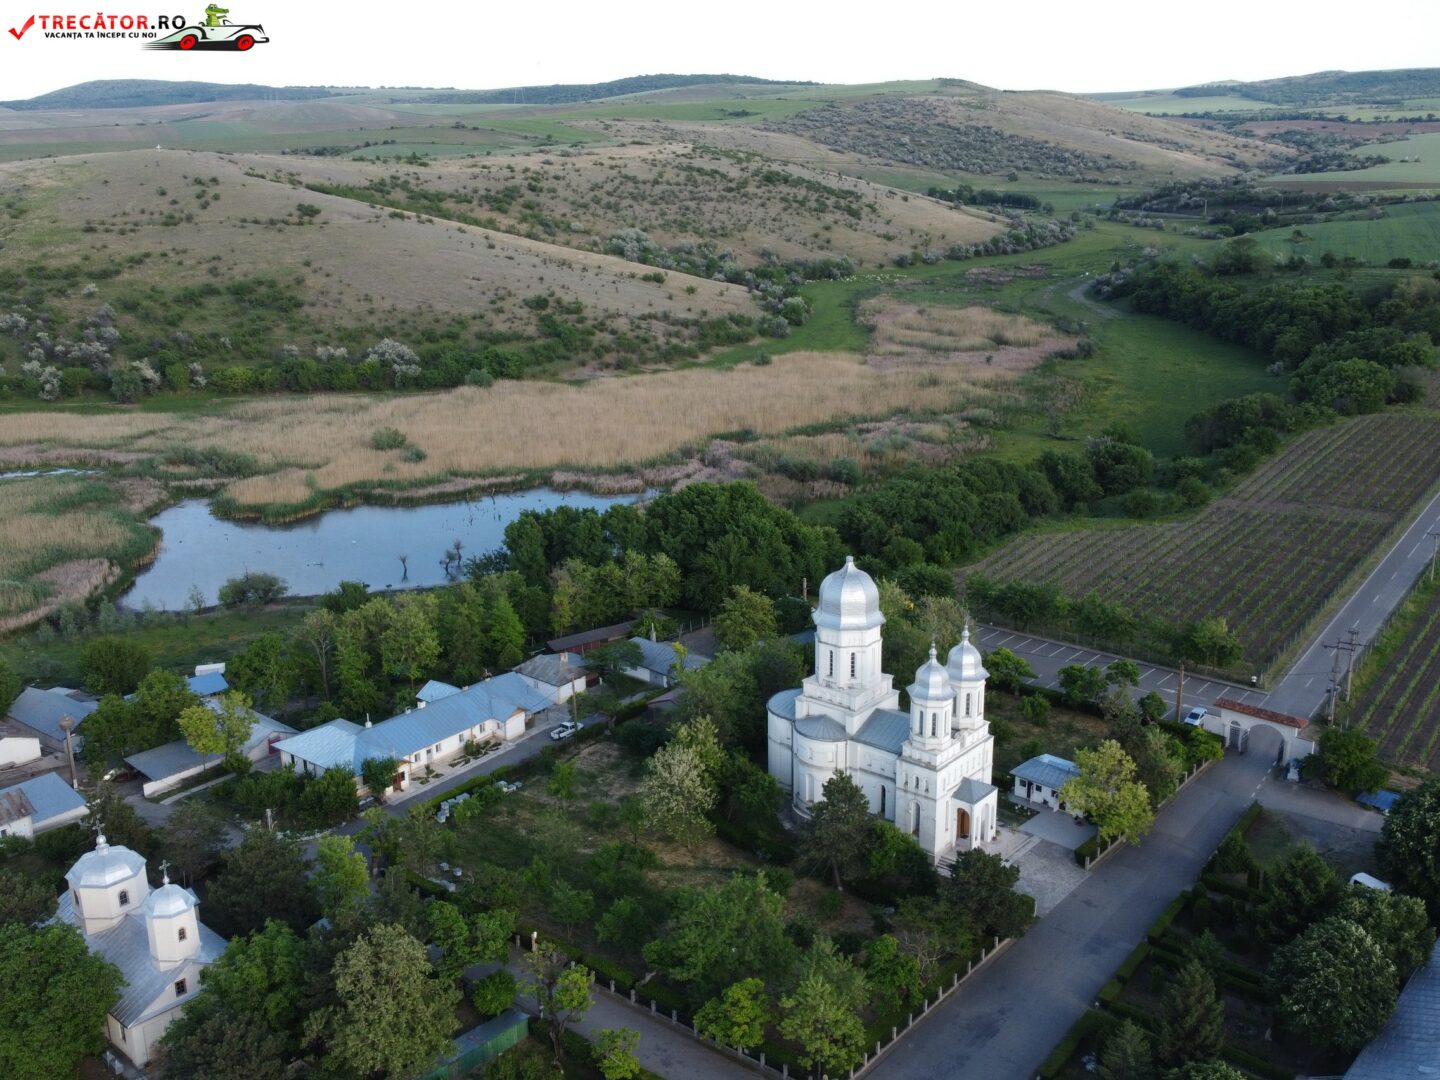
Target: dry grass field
906	335
309	446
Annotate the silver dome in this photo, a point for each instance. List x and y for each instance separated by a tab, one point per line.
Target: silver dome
932	683
105	866
964	663
849	600
169	900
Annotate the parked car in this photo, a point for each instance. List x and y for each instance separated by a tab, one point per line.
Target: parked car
1369	882
228	36
1196	717
564	731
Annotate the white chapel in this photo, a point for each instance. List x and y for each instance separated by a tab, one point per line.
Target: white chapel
155	937
927	770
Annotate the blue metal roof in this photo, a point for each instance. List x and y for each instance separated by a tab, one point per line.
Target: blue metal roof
212	682
1047	770
50	795
325	746
434	690
176	757
821	729
887	729
659	656
783	703
41	710
1409	1043
1380	800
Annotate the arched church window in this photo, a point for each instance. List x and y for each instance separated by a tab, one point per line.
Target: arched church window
124	898
181	934
882	800
932	725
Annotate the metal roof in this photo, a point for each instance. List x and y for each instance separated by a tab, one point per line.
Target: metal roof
1409	1044
212	682
176	757
14	806
105	866
1047	770
599	634
849	600
41	710
434	690
887	729
127	946
783	703
554	669
325	746
972	792
50	796
659	656
821	729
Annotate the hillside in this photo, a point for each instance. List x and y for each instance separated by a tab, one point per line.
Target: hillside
1330	88
133	93
562	94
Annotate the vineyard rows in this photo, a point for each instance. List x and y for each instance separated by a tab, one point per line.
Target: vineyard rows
1266	558
1399	705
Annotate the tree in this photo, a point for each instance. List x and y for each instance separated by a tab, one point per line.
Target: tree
839	831
1333	985
316	637
982	886
1122	673
330	798
342	880
1397	922
220	727
1347	760
561	992
745	618
1210	641
252	589
193	837
615	1053
738	1017
1205	1070
409	645
1347	386
892	974
264	671
123	825
1192	1016
505	636
1408	843
1008	671
391	1015
678	794
493	994
1299	890
113	665
1080	684
615	658
1126	1054
210	1041
25	898
829	1034
10	685
720	935
569	905
378	774
263	878
1107	791
54	994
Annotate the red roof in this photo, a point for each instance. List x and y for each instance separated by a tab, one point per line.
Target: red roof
1263	714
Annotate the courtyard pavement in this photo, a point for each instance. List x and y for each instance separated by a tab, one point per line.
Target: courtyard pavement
1049	873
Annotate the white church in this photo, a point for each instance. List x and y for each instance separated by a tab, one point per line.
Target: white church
155	937
927	770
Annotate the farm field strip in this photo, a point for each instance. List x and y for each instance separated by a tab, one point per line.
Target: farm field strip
1401	705
1267	556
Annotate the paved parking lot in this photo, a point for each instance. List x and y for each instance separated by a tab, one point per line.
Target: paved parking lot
1059	828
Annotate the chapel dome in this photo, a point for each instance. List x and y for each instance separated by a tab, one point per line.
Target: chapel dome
169	900
932	682
849	600
105	866
964	663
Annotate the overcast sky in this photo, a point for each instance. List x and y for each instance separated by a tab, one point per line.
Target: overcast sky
1050	44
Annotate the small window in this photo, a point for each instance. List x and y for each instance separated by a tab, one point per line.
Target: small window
967	704
180	987
123	1036
852	665
124	898
181	933
832	663
932	725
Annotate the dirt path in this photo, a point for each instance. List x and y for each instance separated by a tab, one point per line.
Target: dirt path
1078	295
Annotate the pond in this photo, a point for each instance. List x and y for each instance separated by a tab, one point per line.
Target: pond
363	543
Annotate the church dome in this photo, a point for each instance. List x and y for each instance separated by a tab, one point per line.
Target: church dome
105	866
169	900
964	663
849	600
932	682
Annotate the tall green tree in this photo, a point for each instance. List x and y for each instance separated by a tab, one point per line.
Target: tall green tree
1007	670
745	617
615	1053
54	994
1108	792
25	898
10	685
1409	842
111	665
193	837
738	1017
1397	922
1299	890
505	635
409	645
264	671
390	1015
1333	985
1126	1054
561	992
265	877
678	793
221	730
982	886
892	974
342	880
838	836
830	1035
1192	1016
1347	760
314	638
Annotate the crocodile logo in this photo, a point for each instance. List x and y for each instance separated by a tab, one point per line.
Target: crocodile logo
214	13
214	31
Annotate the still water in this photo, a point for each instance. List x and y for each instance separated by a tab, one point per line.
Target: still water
363	543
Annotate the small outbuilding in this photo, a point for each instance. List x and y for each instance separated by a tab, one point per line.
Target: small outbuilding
586	640
40	712
1040	779
169	765
658	660
38	805
557	677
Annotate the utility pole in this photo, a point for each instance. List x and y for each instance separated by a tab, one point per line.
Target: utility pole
67	724
1434	551
1352	647
1180	693
1333	691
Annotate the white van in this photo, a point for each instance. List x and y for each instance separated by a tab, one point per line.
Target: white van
1369	882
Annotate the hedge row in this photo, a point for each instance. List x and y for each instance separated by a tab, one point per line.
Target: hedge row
1093	1023
1222	884
1168	916
1254	1064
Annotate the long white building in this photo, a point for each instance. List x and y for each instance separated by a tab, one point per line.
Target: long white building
928	769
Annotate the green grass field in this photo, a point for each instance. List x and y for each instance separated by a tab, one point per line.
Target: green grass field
1172	105
1424	171
1409	230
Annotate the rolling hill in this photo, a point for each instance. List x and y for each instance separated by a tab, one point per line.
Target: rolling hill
139	93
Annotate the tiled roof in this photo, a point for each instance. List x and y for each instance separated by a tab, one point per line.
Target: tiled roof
1409	1044
1262	714
176	757
1047	770
41	710
554	669
887	729
127	946
50	796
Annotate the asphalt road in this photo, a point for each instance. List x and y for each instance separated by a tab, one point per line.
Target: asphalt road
1047	657
1302	691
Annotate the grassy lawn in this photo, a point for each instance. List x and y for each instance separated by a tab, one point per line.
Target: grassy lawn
1408	230
1422	168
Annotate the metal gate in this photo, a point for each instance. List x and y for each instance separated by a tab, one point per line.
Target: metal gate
1239	740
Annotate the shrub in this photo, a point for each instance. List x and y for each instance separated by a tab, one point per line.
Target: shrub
251	589
387	438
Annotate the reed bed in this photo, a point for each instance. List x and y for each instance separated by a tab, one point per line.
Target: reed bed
901	329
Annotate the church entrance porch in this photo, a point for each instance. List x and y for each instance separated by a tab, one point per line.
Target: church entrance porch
962	824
